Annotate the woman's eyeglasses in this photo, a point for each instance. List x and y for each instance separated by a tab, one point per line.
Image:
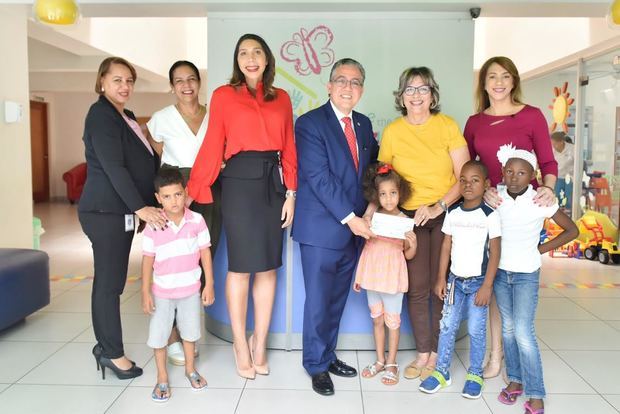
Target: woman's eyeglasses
422	90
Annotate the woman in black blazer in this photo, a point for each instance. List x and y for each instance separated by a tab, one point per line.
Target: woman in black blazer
121	167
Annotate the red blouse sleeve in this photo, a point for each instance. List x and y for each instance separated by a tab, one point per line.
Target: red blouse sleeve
289	152
541	143
211	154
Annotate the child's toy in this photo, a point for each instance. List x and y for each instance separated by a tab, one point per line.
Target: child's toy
598	237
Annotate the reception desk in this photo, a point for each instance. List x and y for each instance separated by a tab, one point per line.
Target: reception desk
287	321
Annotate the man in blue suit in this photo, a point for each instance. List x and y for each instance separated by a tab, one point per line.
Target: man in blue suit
334	146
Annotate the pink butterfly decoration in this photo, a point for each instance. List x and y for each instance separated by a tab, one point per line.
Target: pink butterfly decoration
309	50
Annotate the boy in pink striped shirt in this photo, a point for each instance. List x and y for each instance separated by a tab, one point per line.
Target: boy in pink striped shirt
171	279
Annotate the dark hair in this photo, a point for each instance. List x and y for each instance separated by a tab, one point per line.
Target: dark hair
477	164
560	136
238	78
482	97
104	67
180	63
379	173
427	77
168	176
347	61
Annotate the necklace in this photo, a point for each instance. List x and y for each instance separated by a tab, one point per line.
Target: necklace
189	117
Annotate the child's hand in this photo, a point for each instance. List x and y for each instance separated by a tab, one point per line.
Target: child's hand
208	295
357	287
483	297
148	306
440	289
411	239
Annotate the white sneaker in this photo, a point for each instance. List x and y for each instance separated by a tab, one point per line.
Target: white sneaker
175	354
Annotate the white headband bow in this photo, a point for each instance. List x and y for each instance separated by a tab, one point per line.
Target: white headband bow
508	151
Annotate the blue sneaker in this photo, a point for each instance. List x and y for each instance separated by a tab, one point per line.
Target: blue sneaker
473	386
435	382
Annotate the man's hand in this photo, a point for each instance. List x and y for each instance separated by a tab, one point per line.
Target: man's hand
360	227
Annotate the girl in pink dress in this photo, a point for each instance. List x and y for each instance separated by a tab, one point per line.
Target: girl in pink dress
382	270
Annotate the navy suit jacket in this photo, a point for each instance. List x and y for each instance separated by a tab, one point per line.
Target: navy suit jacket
328	186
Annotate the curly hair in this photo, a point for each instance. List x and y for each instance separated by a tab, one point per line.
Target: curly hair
372	179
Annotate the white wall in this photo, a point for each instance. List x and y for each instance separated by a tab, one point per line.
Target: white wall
533	42
382	42
16	184
66	114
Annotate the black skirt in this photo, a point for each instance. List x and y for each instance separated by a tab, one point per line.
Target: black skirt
252	200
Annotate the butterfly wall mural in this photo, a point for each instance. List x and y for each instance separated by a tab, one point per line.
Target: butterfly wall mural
309	50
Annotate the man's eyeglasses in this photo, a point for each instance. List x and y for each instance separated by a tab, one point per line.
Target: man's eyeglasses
343	82
422	90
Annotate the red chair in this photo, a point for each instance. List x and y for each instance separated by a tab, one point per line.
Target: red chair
75	179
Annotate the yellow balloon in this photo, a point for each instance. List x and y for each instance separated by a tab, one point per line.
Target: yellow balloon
613	17
63	12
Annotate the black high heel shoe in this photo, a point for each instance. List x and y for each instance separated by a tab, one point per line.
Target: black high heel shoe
98	351
132	372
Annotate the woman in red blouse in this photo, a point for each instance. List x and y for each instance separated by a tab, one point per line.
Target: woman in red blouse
251	130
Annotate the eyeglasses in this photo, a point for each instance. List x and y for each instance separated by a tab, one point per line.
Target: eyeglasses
422	90
343	82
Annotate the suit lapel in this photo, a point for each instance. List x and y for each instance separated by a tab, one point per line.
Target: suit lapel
125	124
338	134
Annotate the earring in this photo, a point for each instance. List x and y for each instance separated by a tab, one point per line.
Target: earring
102	90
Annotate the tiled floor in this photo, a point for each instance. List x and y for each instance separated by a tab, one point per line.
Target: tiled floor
46	365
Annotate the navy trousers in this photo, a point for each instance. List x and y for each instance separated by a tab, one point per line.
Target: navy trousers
327	280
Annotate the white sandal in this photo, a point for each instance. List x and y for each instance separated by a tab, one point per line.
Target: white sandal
372	370
389	377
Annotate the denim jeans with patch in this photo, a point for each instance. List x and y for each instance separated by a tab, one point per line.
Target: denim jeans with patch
517	298
464	295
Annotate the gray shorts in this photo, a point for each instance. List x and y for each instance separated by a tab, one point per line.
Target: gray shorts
388	305
188	320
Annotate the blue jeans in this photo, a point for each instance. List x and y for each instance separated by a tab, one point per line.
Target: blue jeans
464	295
517	298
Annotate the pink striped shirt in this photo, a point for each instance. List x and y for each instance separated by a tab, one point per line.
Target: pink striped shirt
176	271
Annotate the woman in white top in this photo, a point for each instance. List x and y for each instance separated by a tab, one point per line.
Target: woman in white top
176	133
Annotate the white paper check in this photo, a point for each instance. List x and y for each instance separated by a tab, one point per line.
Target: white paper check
388	225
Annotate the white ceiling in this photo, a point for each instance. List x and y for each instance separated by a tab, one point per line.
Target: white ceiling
61	59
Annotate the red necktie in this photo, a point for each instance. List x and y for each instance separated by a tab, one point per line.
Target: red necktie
348	132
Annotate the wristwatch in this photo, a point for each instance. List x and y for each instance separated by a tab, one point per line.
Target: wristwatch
442	204
290	193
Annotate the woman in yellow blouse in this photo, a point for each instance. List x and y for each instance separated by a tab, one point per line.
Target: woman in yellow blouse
426	148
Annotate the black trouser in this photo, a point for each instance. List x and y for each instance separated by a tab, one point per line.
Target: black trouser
111	247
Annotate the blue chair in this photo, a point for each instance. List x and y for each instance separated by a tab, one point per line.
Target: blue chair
24	284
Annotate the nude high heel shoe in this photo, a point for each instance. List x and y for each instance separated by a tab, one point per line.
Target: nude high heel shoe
260	369
249	373
493	366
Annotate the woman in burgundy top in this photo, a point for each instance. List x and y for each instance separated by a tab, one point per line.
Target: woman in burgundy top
503	119
251	130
